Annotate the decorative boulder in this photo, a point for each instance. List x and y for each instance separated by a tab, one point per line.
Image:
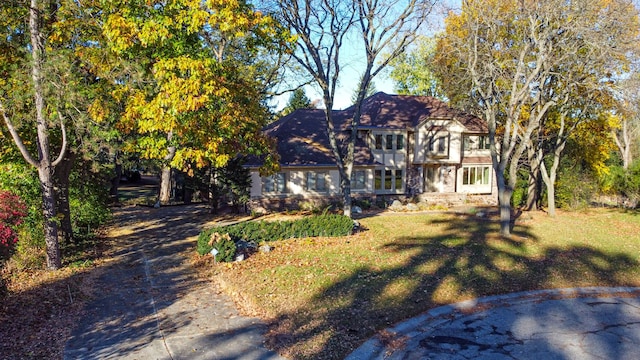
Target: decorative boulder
396	206
412	207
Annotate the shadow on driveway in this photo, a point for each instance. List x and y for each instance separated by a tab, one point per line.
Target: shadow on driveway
151	304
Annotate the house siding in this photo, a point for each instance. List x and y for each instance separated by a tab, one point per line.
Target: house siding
433	160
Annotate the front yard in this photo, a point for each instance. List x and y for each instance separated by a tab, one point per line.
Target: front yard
325	296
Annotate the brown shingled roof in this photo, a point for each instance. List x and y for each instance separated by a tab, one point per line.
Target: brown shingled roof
408	111
302	136
302	140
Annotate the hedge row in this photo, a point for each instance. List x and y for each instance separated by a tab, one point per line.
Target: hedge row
259	231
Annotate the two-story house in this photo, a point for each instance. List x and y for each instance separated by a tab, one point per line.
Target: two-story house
407	146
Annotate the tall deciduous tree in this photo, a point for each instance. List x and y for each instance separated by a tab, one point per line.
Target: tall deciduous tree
45	158
627	134
412	72
188	91
381	29
520	60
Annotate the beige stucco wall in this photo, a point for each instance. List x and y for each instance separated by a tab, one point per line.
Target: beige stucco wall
296	183
449	128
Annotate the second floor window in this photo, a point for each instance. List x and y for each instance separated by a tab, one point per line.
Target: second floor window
378	138
438	145
476	142
389	142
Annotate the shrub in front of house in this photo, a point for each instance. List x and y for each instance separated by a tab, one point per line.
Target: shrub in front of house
222	242
260	231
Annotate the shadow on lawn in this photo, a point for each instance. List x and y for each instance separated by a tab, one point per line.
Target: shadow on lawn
467	261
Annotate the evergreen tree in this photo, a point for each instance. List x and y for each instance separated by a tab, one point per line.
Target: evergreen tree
371	89
297	100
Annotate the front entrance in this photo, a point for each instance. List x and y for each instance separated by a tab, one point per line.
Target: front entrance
432	179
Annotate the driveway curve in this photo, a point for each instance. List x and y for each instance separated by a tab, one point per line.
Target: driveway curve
150	303
580	323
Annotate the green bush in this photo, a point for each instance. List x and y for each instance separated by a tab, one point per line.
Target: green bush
211	239
88	209
259	231
575	189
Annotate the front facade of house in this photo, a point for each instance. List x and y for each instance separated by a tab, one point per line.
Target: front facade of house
407	147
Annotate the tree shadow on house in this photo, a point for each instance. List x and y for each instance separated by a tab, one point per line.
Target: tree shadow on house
467	260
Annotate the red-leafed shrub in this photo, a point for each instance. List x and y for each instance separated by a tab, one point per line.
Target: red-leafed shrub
12	212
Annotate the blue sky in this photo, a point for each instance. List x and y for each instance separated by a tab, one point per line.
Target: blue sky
353	66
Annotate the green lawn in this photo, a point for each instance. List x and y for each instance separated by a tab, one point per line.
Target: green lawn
327	295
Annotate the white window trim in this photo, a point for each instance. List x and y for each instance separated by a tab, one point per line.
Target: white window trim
384	143
478	170
276	188
433	145
392	179
317	175
354	180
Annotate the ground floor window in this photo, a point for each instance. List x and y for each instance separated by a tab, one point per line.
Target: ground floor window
358	179
476	175
388	179
316	181
275	183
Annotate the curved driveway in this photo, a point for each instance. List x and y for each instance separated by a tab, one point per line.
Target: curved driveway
585	323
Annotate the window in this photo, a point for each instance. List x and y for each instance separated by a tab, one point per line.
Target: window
274	184
438	145
475	175
388	180
398	180
378	142
389	141
358	180
484	143
316	181
389	144
476	143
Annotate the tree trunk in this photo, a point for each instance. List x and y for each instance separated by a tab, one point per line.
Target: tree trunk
533	189
165	185
550	177
62	173
346	188
504	202
50	221
165	177
214	193
44	165
623	140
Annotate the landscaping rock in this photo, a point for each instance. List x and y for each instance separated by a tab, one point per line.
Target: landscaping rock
412	207
356	210
239	257
243	245
265	249
396	206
